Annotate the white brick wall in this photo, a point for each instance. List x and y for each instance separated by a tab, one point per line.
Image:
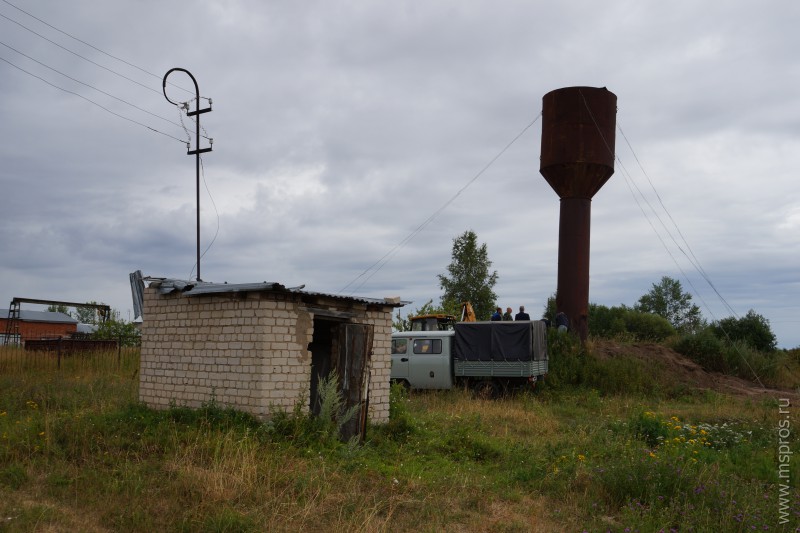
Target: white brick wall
243	350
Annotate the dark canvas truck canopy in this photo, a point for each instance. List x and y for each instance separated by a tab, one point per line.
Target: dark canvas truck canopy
500	341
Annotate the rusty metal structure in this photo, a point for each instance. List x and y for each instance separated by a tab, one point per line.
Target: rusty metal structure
14	314
578	133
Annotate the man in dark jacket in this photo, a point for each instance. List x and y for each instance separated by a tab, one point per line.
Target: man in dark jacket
522	315
562	322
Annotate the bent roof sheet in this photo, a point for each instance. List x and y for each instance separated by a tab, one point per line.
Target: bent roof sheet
194	288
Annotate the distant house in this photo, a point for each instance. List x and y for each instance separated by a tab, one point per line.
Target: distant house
34	325
263	346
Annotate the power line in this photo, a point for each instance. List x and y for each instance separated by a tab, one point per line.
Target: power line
91	101
693	260
79	55
89	85
380	263
90	45
696	266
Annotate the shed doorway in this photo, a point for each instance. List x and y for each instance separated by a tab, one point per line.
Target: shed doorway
346	349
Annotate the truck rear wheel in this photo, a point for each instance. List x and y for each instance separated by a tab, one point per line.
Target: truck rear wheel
485	390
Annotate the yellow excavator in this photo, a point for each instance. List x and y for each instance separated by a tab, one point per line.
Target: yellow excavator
441	321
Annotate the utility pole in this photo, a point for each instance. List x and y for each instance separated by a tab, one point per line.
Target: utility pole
197	151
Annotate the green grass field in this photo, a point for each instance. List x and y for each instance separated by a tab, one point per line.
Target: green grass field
78	453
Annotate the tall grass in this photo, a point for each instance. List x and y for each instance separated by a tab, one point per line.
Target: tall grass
78	453
779	368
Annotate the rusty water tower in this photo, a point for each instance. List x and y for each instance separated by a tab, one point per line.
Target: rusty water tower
578	131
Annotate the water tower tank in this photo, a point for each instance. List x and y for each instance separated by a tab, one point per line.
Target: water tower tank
578	132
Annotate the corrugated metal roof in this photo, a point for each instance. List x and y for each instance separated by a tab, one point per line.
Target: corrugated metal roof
86	328
195	288
41	316
392	301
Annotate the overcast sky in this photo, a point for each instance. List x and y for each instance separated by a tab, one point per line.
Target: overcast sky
340	127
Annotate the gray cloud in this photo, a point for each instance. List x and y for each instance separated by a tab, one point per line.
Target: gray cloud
339	128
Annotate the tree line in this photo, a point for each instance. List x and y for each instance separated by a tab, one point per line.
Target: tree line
665	311
114	327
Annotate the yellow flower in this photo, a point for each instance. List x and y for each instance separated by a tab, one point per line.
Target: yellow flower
652	454
581	457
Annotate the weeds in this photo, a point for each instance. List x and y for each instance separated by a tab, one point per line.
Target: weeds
737	358
78	452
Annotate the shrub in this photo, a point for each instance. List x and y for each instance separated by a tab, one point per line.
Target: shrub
647	326
606	321
736	358
567	360
704	348
610	322
753	329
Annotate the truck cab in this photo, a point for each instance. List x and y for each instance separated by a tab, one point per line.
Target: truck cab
422	359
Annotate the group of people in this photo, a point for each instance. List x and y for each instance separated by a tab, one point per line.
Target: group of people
499	315
562	322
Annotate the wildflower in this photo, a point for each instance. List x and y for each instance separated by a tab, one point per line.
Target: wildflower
581	457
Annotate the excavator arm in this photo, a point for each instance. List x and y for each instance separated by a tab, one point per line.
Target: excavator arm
467	313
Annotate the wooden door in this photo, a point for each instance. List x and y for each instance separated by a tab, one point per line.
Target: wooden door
353	367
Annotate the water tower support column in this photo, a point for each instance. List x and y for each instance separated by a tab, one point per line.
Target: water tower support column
578	126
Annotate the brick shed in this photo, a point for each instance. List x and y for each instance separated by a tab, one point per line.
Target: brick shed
262	346
32	325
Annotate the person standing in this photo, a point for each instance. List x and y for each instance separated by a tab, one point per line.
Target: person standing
508	315
522	315
497	315
562	322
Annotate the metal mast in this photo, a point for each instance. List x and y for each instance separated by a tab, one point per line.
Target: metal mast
197	151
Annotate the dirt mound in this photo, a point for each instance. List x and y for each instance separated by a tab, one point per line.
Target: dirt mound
684	369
